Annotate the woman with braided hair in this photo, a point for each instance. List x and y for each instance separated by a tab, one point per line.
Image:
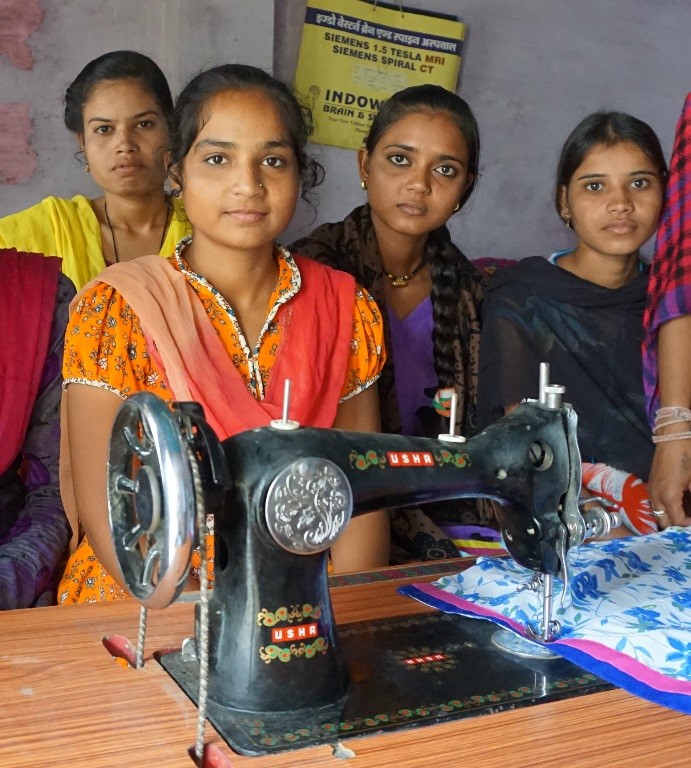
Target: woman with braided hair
418	166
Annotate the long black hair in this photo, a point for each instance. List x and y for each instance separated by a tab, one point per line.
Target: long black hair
297	117
446	271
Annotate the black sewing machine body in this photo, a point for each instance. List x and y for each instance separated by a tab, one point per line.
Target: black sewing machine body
280	498
252	570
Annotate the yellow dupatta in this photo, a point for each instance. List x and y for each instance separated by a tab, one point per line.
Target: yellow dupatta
69	229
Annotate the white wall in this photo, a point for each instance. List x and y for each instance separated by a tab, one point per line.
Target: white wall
182	36
532	70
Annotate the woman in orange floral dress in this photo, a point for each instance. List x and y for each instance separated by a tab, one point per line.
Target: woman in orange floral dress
225	320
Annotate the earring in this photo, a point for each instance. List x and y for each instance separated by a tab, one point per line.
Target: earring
363	184
458	207
87	168
568	223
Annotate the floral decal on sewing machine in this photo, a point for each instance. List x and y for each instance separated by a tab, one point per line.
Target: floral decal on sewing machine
291	615
459	460
366	460
270	653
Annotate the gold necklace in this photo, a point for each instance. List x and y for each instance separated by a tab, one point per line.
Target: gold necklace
112	233
400	281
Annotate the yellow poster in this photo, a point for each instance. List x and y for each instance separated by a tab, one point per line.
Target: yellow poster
354	55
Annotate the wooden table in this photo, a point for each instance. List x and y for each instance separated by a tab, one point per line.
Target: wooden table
64	703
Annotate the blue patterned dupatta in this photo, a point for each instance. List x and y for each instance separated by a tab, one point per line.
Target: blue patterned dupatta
627	619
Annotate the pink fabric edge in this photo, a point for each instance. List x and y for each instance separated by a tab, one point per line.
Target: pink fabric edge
629	666
466	605
600	652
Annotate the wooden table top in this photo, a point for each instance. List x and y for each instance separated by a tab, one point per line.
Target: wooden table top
65	703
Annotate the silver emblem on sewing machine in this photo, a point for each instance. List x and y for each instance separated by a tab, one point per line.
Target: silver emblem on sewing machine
308	506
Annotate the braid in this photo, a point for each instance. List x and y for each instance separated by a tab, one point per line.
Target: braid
444	295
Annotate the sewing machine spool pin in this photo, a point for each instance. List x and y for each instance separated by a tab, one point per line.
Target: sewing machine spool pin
451	436
284	422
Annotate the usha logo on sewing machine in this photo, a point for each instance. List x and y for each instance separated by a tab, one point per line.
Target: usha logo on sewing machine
302	631
295	634
407	459
410	459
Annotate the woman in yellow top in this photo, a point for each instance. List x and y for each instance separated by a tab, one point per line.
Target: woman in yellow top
224	321
118	108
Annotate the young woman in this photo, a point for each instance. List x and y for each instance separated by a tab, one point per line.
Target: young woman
582	309
419	166
33	528
118	109
231	303
667	348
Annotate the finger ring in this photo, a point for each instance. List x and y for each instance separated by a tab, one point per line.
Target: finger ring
659	513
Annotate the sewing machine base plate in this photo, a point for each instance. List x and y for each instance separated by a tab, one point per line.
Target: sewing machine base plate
405	672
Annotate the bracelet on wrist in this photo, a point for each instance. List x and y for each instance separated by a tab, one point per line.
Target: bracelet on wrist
669	415
674	436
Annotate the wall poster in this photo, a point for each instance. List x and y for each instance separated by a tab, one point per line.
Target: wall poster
355	54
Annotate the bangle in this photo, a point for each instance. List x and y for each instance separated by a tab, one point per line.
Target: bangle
674	414
669	438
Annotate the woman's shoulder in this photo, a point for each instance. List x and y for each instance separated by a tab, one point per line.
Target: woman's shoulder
77	205
339	243
78	202
309	265
523	273
316	272
96	299
323	244
47	212
107	288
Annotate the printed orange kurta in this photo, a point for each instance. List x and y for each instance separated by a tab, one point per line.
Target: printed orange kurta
105	347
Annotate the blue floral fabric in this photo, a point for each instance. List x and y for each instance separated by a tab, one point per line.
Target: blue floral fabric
627	617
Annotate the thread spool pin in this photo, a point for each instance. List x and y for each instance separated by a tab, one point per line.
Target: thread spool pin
284	423
451	436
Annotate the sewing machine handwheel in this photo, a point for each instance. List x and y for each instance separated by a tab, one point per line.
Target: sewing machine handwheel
151	499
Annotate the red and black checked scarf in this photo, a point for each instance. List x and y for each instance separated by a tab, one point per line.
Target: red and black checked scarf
669	289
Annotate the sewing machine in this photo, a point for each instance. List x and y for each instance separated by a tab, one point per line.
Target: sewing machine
265	643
